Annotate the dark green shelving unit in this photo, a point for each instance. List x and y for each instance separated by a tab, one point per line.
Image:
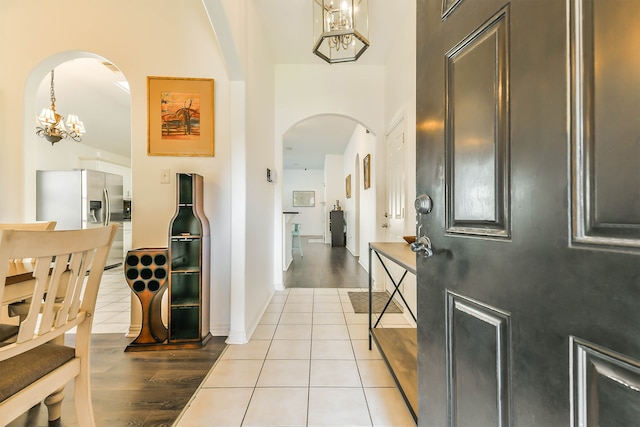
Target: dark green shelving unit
189	270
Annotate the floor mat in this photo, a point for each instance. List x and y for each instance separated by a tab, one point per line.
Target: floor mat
315	241
360	302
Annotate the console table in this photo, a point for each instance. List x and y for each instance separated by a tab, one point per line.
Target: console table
398	346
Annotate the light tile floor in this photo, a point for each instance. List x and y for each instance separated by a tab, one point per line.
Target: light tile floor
113	306
307	364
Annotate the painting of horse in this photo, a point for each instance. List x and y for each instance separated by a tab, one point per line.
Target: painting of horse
180	115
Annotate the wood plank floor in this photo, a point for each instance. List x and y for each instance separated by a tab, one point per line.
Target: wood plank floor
147	388
324	266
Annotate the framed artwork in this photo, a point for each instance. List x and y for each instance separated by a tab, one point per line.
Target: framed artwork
348	186
304	199
366	162
180	116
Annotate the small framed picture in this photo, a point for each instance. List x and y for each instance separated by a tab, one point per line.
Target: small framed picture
305	199
348	186
180	116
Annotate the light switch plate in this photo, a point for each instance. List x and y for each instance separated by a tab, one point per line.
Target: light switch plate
165	176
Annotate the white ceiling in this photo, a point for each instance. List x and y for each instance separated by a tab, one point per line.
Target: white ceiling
307	143
86	87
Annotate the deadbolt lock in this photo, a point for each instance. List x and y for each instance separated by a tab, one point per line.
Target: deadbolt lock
423	204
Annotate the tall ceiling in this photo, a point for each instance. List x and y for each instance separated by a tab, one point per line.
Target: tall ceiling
86	87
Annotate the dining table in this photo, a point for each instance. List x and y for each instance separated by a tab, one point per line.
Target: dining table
18	282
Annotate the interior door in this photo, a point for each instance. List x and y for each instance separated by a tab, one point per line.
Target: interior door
528	142
395	212
395	183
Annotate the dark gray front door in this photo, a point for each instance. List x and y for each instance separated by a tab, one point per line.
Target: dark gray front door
528	142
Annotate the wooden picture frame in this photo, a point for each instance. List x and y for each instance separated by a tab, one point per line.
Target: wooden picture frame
348	186
180	116
366	163
305	199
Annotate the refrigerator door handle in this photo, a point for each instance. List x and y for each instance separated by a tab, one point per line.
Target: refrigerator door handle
107	215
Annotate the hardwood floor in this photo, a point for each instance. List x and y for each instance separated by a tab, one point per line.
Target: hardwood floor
324	266
148	388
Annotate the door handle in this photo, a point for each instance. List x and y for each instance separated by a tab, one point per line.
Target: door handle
423	206
107	210
423	244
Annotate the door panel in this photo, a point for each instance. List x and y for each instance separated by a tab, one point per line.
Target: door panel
529	306
605	155
605	387
477	131
479	349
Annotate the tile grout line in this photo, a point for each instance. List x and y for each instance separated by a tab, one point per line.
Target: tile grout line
313	301
253	392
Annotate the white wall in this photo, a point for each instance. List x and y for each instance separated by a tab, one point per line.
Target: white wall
361	144
260	239
139	48
400	100
310	218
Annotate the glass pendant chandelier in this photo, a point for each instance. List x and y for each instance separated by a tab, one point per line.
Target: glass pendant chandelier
340	29
51	125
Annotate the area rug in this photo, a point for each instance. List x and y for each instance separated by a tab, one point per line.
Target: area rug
360	302
315	241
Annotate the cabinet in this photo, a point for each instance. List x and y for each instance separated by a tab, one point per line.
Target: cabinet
189	269
337	228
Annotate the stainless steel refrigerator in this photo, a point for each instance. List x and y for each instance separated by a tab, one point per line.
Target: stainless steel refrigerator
79	199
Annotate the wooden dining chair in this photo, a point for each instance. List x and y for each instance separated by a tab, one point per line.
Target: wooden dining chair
67	273
9	329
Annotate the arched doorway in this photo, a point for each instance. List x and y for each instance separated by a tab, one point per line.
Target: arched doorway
314	160
93	88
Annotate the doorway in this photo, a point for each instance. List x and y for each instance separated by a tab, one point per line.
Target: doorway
314	153
96	91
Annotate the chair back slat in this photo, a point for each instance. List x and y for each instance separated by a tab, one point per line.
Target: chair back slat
79	264
29	324
56	286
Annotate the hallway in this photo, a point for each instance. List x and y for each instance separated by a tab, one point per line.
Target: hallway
308	362
324	266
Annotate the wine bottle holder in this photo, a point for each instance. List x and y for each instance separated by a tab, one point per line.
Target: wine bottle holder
146	271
